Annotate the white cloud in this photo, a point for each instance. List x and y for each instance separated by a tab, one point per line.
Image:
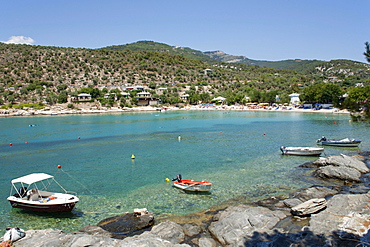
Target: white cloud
20	40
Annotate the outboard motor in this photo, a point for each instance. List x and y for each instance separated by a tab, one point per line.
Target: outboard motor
323	138
178	178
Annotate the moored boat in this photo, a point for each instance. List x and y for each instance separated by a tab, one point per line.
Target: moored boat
191	185
302	151
346	142
31	194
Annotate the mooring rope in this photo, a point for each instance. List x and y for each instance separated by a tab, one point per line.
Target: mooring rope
76	181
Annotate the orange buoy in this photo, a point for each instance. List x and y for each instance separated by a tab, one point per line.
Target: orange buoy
264	134
26	142
10	144
335	122
79	137
59	166
221	132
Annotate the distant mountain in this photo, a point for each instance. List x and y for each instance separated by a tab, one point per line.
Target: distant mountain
213	56
297	64
160	47
339	68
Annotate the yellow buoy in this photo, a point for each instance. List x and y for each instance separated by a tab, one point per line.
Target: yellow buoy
167	179
132	156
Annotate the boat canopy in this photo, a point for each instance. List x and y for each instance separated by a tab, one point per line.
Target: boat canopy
32	178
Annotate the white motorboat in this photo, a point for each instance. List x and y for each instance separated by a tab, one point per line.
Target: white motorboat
31	194
303	151
346	142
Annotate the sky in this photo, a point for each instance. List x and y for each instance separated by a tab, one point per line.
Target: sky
270	30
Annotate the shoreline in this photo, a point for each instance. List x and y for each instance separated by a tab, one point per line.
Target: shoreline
271	220
63	110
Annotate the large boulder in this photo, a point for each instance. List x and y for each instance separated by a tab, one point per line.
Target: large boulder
128	224
338	172
236	222
348	161
170	231
344	213
342	167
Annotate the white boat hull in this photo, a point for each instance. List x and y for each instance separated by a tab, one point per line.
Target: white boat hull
190	185
28	196
339	143
62	203
302	151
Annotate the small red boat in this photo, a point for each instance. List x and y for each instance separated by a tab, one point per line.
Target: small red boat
191	185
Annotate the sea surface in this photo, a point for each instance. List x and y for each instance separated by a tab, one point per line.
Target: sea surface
239	152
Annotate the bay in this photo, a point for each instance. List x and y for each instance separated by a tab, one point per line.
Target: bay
237	151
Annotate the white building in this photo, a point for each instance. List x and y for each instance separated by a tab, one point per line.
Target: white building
294	98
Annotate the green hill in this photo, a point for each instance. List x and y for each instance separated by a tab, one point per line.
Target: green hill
160	47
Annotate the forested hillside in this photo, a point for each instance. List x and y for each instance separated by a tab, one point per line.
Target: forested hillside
37	73
49	75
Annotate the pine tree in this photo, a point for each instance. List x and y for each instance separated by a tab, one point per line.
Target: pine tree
367	52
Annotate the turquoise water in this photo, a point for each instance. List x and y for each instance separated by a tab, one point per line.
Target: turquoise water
228	149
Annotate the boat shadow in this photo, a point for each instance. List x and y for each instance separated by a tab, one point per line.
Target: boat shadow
27	213
195	192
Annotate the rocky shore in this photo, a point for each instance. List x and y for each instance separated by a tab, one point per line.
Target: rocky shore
335	215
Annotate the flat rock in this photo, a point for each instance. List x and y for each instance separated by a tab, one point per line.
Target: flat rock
316	191
236	222
309	207
292	202
57	238
145	239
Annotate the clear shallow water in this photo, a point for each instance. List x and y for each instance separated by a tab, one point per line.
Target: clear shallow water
228	149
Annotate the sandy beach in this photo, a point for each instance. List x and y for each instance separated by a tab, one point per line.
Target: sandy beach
62	109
